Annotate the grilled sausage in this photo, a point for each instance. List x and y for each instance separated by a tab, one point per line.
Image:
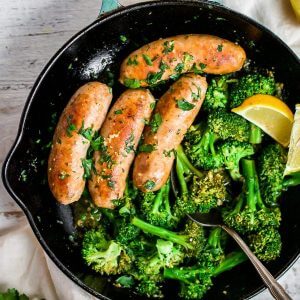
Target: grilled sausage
121	133
173	56
173	115
85	111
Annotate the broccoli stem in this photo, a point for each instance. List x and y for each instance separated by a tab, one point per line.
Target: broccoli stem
255	135
180	176
248	167
214	238
158	199
162	233
166	199
185	161
232	260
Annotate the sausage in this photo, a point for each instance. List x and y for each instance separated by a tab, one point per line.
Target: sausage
120	135
85	111
170	57
174	114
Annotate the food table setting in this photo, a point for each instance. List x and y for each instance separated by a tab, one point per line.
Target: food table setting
21	253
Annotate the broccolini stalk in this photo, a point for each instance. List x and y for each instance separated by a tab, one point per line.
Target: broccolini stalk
255	134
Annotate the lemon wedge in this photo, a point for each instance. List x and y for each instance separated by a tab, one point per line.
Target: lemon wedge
270	114
296	7
293	163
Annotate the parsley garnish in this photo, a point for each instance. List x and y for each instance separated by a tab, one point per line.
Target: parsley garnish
129	143
152	105
152	78
198	95
132	61
219	48
111	183
87	165
71	127
184	105
187	57
155	122
87	133
167	153
149	185
132	83
118	112
148	60
123	38
63	175
148	148
179	68
168	47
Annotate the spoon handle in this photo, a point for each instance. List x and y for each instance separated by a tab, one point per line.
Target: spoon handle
274	287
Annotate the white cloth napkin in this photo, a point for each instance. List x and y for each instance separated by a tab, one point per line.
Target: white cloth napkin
24	265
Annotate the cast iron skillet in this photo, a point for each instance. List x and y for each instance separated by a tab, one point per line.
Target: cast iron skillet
94	53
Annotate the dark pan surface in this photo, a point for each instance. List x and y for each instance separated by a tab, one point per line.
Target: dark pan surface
90	55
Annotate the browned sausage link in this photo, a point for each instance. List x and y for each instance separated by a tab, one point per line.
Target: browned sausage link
86	110
172	56
121	133
173	115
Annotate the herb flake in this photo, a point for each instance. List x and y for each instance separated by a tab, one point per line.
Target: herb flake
155	122
147	59
184	105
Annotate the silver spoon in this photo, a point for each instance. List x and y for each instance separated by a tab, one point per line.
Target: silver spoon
213	219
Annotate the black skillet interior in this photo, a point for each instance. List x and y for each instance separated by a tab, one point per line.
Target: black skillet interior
96	53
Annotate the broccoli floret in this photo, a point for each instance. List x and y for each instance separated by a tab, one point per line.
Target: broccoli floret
197	280
192	238
217	93
266	243
210	191
271	165
221	125
233	151
206	190
149	268
250	85
103	255
250	213
156	208
125	231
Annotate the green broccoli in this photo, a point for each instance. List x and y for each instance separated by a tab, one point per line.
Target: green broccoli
221	125
217	93
233	151
192	238
149	268
156	208
250	213
104	255
249	85
195	281
266	243
206	190
12	294
271	165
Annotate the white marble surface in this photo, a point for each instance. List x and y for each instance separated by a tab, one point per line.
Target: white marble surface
31	31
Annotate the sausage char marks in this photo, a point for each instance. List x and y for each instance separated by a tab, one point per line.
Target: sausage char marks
120	135
85	111
175	112
170	57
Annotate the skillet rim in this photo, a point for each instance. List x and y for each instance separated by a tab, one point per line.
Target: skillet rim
104	18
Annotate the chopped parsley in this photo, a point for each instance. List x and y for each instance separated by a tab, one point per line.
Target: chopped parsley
118	112
168	47
220	48
152	78
63	175
179	68
149	185
196	70
123	38
148	148
111	183
168	153
23	176
152	105
132	83
187	57
196	96
87	133
129	144
155	122
87	165
132	61
147	59
71	127
184	105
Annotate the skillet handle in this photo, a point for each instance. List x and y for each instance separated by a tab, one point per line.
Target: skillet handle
108	6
